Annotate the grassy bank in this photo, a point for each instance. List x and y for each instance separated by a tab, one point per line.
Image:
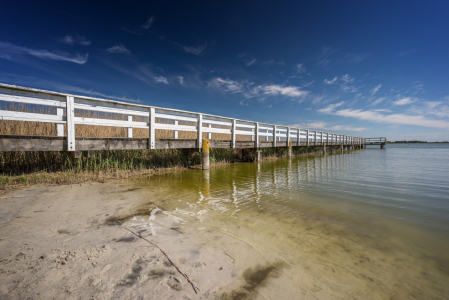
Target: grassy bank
48	168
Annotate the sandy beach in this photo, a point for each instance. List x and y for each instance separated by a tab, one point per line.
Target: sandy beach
72	242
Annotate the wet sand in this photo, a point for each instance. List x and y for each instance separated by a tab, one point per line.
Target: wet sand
71	243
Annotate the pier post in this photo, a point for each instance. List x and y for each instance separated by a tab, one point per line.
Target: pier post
324	148
289	150
205	148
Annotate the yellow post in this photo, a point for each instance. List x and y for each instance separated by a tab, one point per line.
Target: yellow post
205	148
289	150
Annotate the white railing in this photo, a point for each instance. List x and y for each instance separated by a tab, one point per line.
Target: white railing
258	132
376	140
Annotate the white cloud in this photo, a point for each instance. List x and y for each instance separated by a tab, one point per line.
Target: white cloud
323	58
376	116
192	49
290	91
251	62
181	80
327	81
330	107
379	100
161	79
226	85
375	89
72	40
118	49
325	126
404	101
148	23
44	54
345	86
232	86
300	68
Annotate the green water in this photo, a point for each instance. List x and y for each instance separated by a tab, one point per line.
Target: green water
368	224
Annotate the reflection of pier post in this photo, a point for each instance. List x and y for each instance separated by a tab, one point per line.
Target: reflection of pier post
206	183
289	150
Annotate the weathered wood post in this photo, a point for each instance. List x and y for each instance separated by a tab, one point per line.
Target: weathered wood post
289	150
315	138
205	150
324	148
274	135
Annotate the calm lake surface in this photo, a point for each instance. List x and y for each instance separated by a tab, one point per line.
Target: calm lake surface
369	224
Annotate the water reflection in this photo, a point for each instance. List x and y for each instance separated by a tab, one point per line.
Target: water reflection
364	212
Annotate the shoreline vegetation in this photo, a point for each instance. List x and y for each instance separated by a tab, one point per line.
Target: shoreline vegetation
24	169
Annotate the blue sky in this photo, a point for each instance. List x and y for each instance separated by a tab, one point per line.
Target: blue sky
363	68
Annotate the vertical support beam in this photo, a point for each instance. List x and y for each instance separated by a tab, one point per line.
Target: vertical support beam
233	134
205	150
130	129
256	138
60	127
315	138
209	134
152	130
175	132
274	135
307	140
252	137
266	137
289	150
321	138
299	137
199	131
288	136
70	109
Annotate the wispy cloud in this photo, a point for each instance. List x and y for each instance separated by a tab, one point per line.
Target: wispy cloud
248	91
347	80
404	101
377	116
161	79
300	68
196	50
356	58
148	23
75	40
289	91
330	108
402	53
375	89
44	54
327	81
379	100
328	127
323	59
226	85
118	49
251	62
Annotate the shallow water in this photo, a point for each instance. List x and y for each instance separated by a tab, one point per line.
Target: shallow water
369	224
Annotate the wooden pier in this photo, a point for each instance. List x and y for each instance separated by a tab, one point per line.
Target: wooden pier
257	135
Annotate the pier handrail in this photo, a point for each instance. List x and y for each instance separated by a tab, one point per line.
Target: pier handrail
256	130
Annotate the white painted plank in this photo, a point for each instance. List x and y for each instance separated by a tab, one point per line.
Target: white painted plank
109	122
151	128
32	117
164	126
199	125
